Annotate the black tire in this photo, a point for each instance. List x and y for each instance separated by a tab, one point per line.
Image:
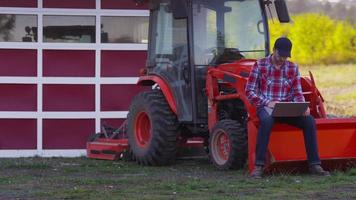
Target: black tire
232	135
158	146
127	155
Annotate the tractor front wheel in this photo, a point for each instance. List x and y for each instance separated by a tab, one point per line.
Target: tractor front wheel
228	145
152	129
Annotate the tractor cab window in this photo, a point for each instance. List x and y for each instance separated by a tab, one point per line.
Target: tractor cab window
169	46
168	54
225	32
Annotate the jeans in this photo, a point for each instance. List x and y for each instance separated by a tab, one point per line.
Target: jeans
306	123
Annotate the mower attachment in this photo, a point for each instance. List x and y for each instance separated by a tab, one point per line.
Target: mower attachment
336	143
110	144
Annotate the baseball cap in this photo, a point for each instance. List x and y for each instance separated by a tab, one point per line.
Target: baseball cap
283	46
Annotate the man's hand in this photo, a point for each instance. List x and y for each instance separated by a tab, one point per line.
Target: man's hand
271	104
307	112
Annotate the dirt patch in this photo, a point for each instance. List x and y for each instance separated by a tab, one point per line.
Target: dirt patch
339	192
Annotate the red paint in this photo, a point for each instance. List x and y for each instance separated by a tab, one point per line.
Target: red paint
69	4
118	97
70	63
68	97
336	139
252	140
18	3
99	149
115	123
11	65
224	147
18	133
67	133
18	97
122	4
233	70
142	126
122	63
151	80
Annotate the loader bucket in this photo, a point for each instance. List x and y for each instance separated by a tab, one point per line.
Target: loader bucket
336	144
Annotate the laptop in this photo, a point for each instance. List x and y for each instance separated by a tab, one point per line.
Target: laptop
289	109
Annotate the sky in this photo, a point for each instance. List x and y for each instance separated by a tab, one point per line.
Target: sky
333	1
342	1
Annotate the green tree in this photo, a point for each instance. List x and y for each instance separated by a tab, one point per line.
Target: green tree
344	49
317	39
311	37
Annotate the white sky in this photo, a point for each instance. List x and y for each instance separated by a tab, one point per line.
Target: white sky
333	1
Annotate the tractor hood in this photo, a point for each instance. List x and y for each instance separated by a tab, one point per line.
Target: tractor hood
240	67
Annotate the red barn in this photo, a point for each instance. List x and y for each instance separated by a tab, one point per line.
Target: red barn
66	66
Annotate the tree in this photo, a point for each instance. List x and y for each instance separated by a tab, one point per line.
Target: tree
7	24
318	39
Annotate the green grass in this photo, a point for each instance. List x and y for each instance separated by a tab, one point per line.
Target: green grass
81	178
337	84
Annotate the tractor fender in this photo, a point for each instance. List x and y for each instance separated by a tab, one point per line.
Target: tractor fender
151	80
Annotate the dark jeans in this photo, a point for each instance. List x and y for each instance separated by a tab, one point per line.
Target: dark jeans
306	123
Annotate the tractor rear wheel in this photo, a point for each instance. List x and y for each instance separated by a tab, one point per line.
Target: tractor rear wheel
152	129
228	145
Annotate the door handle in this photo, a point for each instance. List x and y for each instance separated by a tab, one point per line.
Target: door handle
186	73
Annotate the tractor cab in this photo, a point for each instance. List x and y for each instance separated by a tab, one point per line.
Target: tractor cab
187	37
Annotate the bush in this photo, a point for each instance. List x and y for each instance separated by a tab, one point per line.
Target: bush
317	39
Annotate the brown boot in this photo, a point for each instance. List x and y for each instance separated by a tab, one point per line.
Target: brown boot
318	170
257	172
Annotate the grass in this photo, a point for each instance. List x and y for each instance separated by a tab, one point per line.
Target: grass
81	178
337	84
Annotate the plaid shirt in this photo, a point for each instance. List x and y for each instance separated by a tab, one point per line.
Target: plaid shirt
267	83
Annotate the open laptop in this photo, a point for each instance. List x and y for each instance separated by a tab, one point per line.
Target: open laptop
289	109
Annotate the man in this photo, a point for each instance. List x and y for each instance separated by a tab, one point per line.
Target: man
275	79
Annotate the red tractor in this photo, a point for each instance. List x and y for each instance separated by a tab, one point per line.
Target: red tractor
200	54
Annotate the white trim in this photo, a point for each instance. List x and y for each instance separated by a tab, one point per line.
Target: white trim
42	153
95	46
113	114
64	153
69	115
19	79
39	133
62	115
18	153
40	4
39	82
123	46
74	12
97	77
98	73
77	46
19	115
97	5
66	80
121	80
19	45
